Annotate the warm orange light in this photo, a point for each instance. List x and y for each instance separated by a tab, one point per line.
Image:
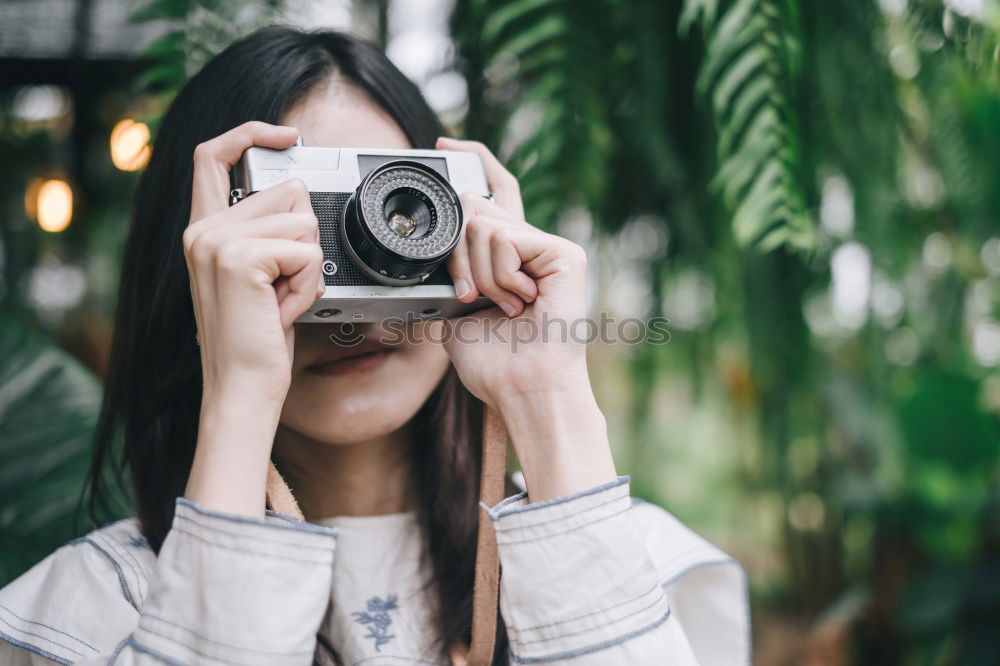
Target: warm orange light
54	205
130	145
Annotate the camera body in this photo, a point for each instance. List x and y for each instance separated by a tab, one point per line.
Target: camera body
388	220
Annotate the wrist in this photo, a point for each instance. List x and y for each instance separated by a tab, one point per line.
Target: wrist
243	397
241	387
560	438
532	382
235	435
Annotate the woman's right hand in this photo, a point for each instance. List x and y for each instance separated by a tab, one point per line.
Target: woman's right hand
254	268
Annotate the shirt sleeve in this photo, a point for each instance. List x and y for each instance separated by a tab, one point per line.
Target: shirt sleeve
227	589
580	587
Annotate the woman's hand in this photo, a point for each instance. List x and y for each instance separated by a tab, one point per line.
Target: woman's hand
254	267
527	357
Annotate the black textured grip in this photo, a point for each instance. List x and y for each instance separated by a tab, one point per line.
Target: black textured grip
329	210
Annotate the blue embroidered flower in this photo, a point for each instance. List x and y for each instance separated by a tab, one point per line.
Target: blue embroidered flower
378	620
139	542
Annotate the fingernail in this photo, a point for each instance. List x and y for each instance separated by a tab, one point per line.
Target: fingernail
461	288
507	308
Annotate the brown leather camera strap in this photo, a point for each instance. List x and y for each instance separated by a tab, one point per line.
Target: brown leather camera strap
486	588
279	495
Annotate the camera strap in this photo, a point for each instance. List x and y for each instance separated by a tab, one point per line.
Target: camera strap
486	589
279	496
486	586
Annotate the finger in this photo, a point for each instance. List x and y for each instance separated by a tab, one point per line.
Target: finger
506	263
292	196
292	226
293	268
281	288
544	254
505	188
289	226
214	158
480	254
303	227
289	196
461	271
474	204
302	291
202	242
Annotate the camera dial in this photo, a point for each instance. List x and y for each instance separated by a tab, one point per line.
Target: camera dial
401	223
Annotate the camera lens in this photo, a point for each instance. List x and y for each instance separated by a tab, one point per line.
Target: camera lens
401	223
407	213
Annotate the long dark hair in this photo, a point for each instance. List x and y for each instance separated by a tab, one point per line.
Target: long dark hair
149	422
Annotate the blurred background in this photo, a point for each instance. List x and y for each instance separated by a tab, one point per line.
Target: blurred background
808	191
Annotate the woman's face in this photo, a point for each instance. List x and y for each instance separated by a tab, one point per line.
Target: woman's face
348	393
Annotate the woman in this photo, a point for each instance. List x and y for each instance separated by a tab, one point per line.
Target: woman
210	382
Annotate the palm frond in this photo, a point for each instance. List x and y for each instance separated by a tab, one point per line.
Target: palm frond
557	81
748	76
48	410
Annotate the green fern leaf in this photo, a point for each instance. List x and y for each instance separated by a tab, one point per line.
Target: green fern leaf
697	11
751	58
538	35
504	17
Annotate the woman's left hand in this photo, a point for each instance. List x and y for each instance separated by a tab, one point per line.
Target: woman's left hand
526	357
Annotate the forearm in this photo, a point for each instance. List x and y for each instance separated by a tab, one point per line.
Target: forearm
561	440
235	436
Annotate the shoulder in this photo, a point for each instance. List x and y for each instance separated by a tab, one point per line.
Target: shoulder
81	600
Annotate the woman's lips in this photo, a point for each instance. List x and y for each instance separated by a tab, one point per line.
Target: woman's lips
362	362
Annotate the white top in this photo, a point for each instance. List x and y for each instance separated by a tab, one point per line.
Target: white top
590	578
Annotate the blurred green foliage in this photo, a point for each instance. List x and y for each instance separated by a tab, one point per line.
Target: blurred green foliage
830	171
196	31
48	411
810	193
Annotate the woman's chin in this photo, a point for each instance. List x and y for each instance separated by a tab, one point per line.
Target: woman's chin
346	396
339	427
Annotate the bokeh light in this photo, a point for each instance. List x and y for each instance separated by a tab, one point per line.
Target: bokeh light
53	204
38	104
130	149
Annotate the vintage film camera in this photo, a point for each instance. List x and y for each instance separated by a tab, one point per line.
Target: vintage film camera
388	220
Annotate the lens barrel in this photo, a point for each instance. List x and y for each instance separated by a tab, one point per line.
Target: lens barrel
401	223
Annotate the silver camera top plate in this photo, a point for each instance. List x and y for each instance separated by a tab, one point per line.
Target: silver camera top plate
341	169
